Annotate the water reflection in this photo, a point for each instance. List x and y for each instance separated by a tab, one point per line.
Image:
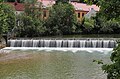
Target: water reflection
52	65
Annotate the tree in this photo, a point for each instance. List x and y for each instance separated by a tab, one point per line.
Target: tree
29	26
33	9
10	0
20	1
107	19
61	19
7	18
30	22
110	9
62	1
1	0
88	25
113	70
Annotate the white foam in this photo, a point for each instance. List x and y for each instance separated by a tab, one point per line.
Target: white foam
4	51
90	50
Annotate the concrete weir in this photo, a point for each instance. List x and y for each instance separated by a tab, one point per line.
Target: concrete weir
64	43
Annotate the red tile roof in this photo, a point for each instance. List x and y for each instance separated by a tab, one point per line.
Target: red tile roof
78	6
48	3
84	7
18	6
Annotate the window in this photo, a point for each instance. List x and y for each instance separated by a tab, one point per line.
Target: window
78	15
83	14
44	13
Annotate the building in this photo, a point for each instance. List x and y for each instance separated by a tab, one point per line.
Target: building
81	9
19	7
90	14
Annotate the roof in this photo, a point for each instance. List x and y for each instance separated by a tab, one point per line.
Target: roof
84	7
78	6
49	3
17	6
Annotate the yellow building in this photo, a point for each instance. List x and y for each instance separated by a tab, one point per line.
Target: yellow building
81	9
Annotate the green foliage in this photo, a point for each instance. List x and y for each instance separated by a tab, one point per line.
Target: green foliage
19	1
1	0
111	26
62	1
79	28
88	24
30	1
113	70
110	9
32	10
61	20
102	25
107	20
7	18
29	26
98	61
10	0
30	22
91	1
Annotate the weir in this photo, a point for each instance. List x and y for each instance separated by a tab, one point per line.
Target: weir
63	43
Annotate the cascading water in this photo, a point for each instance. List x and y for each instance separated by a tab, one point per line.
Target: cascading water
74	55
63	43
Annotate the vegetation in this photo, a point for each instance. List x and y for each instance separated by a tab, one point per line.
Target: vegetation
7	18
30	22
113	70
110	9
62	24
108	21
63	1
29	27
62	20
20	1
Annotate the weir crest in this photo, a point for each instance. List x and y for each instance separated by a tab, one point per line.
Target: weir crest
63	43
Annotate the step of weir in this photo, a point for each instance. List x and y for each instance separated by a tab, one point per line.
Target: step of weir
69	43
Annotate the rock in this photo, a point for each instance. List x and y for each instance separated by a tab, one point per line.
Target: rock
2	46
2	43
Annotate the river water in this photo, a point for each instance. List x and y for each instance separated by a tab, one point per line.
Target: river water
63	63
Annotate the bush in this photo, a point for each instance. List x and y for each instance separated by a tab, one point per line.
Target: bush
7	18
61	19
113	70
109	27
30	27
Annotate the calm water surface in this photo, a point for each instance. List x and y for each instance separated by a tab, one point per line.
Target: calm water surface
34	64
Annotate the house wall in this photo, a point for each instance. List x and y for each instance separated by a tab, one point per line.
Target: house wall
18	12
80	14
45	14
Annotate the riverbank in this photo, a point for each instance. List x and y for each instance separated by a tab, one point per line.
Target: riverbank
2	45
106	36
2	42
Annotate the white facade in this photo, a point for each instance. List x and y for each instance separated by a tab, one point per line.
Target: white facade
18	12
91	13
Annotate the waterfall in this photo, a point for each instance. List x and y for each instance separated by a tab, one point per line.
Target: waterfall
64	43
